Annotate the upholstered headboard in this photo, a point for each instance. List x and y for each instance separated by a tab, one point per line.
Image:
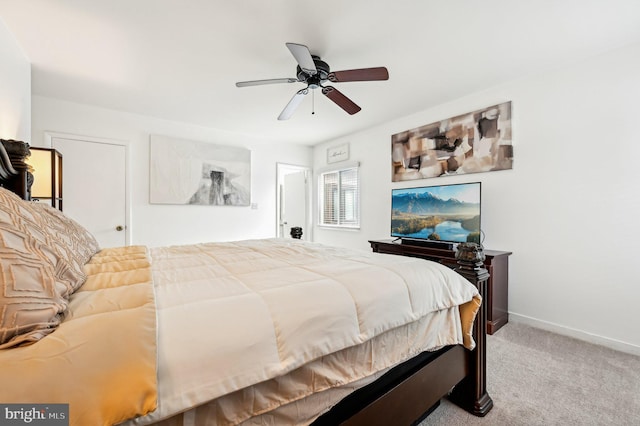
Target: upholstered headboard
14	172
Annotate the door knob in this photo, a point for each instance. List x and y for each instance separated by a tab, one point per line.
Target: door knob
119	228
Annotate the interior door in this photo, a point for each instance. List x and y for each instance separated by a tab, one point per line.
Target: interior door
293	200
293	203
94	187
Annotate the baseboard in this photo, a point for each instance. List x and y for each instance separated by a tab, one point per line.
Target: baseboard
576	334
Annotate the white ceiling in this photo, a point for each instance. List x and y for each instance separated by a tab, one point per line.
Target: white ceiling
180	59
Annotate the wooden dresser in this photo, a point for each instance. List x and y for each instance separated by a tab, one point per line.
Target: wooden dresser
496	262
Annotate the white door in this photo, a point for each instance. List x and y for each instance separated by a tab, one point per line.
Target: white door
293	200
94	186
293	203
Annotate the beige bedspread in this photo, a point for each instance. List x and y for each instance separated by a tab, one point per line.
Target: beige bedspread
232	315
101	360
251	325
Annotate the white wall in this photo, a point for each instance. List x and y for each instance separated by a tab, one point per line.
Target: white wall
570	208
15	89
158	225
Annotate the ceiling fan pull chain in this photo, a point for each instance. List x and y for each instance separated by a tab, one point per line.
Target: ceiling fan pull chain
313	102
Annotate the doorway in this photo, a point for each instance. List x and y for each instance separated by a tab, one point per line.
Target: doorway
94	175
293	200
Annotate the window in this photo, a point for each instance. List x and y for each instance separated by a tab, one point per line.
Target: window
340	198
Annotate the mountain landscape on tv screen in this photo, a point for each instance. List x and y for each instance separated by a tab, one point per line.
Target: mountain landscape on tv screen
427	204
424	215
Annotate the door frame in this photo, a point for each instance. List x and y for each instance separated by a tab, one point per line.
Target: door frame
128	228
283	169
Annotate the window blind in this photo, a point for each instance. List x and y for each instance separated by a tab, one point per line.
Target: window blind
340	198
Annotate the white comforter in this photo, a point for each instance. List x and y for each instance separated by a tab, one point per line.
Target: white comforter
231	315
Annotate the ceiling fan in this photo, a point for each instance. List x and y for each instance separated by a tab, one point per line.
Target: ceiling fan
315	73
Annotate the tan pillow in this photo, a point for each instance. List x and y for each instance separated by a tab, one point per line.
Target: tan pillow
32	221
36	276
32	284
66	236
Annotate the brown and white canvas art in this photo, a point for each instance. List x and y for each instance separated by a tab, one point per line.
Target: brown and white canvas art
479	141
193	172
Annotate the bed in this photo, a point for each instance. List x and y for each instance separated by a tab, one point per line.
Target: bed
270	331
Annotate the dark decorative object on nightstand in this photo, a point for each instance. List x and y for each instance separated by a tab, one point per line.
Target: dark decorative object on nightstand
470	257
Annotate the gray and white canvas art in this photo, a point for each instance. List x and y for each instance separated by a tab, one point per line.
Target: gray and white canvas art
192	172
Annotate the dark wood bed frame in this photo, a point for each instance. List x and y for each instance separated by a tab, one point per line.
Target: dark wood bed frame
14	172
408	392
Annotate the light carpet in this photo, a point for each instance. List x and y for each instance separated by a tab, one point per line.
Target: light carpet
536	377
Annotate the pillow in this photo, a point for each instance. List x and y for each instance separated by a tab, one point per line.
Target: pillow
33	282
73	242
32	221
37	273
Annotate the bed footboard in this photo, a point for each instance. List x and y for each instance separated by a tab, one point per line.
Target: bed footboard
454	371
471	393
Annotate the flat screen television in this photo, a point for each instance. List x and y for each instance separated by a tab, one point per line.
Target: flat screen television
445	213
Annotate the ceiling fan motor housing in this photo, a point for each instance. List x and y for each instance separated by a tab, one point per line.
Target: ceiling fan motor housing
314	80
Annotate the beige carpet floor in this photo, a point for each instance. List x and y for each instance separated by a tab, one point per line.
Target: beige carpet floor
540	378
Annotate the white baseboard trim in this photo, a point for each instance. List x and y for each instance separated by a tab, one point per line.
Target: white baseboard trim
577	334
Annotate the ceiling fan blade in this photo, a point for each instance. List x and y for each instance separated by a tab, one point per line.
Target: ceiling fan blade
270	81
363	74
303	57
341	100
291	107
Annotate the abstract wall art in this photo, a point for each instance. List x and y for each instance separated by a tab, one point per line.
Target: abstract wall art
193	172
479	141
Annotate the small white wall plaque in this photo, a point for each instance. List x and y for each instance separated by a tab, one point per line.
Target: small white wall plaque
338	153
